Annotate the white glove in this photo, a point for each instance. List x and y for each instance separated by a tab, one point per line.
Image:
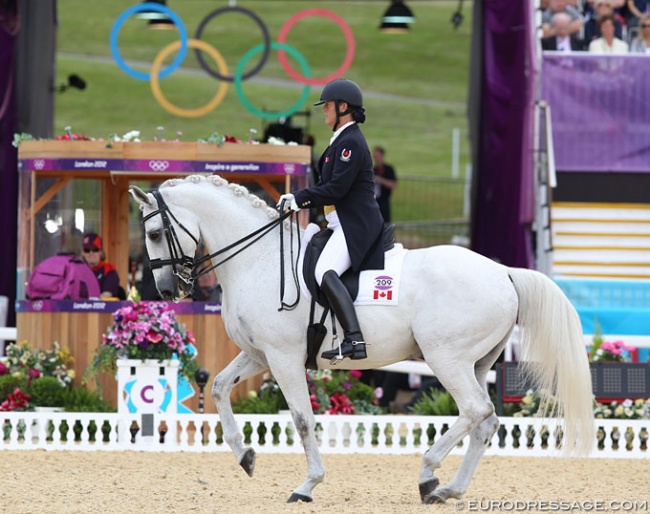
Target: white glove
288	201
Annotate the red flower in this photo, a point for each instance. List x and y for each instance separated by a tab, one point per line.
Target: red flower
3	370
340	404
16	401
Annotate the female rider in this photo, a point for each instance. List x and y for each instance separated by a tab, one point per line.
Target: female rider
346	192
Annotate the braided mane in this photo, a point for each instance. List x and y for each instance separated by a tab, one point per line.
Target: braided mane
236	189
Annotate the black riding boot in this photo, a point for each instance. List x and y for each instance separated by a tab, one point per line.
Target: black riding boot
342	305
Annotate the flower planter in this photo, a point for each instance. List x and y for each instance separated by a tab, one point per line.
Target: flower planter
146	387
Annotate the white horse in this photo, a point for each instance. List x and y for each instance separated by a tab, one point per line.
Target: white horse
456	310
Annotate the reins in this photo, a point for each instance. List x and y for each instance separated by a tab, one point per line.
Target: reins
189	265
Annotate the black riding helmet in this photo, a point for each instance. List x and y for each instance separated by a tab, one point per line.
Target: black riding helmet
343	90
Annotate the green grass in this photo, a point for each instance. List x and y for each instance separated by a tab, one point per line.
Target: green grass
425	73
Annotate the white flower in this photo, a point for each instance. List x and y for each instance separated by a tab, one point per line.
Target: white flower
133	135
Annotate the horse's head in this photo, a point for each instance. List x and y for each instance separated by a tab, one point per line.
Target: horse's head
171	243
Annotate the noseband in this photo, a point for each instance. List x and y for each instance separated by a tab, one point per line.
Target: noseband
186	268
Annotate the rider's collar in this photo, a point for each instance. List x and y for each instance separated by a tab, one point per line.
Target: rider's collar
339	130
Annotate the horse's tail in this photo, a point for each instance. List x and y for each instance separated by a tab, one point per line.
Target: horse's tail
553	348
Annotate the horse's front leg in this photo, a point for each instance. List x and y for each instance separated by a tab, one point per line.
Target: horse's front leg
239	369
290	376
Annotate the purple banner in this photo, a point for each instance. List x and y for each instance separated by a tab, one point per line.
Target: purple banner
110	306
165	166
70	164
600	111
267	168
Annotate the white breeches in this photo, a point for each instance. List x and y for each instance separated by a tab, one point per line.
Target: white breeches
335	256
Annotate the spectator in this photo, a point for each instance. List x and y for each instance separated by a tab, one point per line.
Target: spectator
93	254
562	41
607	43
557	6
385	181
601	8
207	287
635	10
641	43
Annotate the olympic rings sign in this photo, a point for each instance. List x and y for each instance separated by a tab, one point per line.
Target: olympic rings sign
238	76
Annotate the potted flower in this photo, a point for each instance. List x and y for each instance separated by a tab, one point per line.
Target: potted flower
145	331
28	363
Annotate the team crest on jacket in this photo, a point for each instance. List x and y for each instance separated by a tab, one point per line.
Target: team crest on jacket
345	155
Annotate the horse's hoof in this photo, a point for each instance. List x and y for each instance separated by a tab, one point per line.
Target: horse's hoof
248	462
426	491
295	497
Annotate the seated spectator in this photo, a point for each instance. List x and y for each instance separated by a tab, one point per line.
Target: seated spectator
562	41
557	6
93	254
601	8
641	43
607	43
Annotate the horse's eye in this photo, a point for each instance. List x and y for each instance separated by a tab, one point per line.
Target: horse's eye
154	235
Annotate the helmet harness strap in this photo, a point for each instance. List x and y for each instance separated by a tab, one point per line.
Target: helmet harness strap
349	110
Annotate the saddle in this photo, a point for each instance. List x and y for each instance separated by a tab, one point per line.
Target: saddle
316	331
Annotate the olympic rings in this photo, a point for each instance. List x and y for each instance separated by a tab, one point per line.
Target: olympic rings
349	56
222	73
256	19
179	111
240	93
148	6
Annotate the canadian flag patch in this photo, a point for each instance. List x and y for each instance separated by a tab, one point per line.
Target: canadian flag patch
383	288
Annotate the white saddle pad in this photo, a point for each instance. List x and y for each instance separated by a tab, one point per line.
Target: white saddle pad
376	287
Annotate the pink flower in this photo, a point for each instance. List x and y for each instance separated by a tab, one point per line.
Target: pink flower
34	373
3	370
355	373
154	337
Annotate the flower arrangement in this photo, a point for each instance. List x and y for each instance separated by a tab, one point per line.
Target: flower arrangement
25	361
604	351
340	392
615	351
135	137
331	392
535	403
637	409
146	330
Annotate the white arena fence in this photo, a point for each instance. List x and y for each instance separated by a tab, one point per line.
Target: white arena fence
269	433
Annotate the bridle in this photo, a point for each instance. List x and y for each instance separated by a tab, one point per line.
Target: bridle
189	269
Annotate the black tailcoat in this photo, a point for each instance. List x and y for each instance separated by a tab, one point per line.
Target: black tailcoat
347	182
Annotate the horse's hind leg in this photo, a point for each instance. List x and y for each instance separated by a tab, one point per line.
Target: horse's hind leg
479	440
475	408
239	369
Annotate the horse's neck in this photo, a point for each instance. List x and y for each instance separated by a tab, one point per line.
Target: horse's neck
226	219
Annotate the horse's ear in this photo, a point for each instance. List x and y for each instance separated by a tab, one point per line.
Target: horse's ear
144	199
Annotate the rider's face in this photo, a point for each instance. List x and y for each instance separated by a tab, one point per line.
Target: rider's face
330	113
329	110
